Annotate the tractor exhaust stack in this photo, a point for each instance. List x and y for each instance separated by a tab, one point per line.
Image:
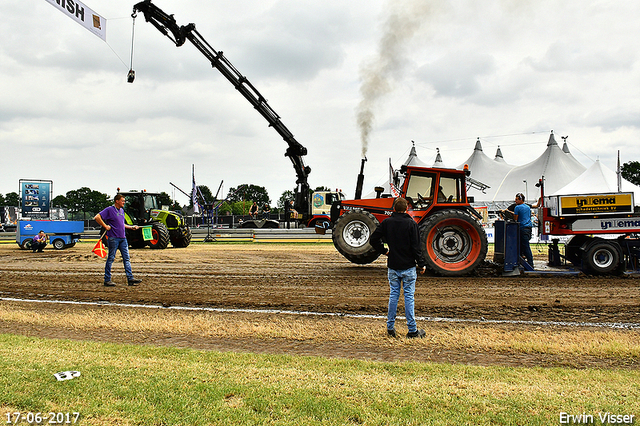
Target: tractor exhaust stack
360	181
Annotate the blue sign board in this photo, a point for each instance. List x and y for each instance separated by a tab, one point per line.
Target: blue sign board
36	198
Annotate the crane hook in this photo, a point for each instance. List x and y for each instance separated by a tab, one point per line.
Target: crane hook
132	74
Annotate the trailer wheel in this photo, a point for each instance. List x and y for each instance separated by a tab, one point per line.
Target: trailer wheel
351	235
453	242
26	244
602	257
160	235
58	244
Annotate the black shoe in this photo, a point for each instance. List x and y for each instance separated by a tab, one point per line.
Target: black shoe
418	333
391	332
134	281
109	284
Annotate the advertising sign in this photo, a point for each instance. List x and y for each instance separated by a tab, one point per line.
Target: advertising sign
589	204
36	198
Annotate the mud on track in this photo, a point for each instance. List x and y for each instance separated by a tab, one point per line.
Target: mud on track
306	277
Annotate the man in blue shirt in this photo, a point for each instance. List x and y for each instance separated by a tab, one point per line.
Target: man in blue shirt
522	214
112	219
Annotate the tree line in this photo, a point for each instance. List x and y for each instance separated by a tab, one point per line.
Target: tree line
83	203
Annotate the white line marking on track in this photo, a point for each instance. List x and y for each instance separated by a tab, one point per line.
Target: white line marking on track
329	314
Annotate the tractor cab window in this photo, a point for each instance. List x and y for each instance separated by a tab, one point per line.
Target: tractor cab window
132	206
420	189
150	203
450	190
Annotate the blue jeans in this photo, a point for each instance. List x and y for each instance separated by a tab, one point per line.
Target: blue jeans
116	244
407	279
525	249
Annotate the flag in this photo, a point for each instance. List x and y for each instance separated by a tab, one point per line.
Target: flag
100	250
392	188
194	193
83	15
619	173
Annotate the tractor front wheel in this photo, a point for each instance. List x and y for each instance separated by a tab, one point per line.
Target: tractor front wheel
160	235
181	237
453	243
351	235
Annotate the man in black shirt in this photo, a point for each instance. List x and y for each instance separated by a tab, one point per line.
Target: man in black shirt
400	232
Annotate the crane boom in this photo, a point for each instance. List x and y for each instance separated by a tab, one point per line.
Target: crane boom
167	25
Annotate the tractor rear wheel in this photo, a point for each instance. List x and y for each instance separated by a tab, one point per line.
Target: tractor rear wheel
160	235
351	235
453	242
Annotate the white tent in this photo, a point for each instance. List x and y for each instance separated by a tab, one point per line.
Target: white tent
554	164
499	158
598	179
413	159
439	163
488	171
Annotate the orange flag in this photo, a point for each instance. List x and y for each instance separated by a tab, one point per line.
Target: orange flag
100	250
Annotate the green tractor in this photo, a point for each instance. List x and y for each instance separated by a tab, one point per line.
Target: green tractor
143	209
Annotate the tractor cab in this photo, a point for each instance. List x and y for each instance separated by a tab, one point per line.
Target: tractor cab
427	188
139	206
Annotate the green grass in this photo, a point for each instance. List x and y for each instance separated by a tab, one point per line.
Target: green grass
127	384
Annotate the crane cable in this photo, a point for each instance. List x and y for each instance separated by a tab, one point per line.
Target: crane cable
132	74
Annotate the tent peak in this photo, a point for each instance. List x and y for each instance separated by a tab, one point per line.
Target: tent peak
438	162
478	145
565	146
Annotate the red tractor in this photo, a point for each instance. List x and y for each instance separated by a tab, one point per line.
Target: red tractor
453	239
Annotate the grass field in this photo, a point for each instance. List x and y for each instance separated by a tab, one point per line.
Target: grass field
127	385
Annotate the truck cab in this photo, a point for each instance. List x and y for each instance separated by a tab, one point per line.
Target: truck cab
321	202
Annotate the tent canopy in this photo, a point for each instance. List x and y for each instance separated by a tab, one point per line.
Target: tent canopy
598	179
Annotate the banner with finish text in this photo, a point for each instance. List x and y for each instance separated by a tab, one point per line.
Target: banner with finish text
83	15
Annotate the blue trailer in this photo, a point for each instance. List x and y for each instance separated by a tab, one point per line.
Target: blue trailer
62	233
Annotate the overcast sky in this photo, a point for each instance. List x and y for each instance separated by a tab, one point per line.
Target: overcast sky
438	73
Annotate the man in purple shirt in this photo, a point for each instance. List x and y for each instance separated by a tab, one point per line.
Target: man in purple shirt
39	242
112	219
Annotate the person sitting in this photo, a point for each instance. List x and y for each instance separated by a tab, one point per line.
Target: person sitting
429	199
253	212
266	211
39	242
292	211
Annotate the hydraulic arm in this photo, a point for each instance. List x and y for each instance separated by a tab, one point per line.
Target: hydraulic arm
166	24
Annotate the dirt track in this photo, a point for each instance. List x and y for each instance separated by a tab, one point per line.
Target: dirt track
306	277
